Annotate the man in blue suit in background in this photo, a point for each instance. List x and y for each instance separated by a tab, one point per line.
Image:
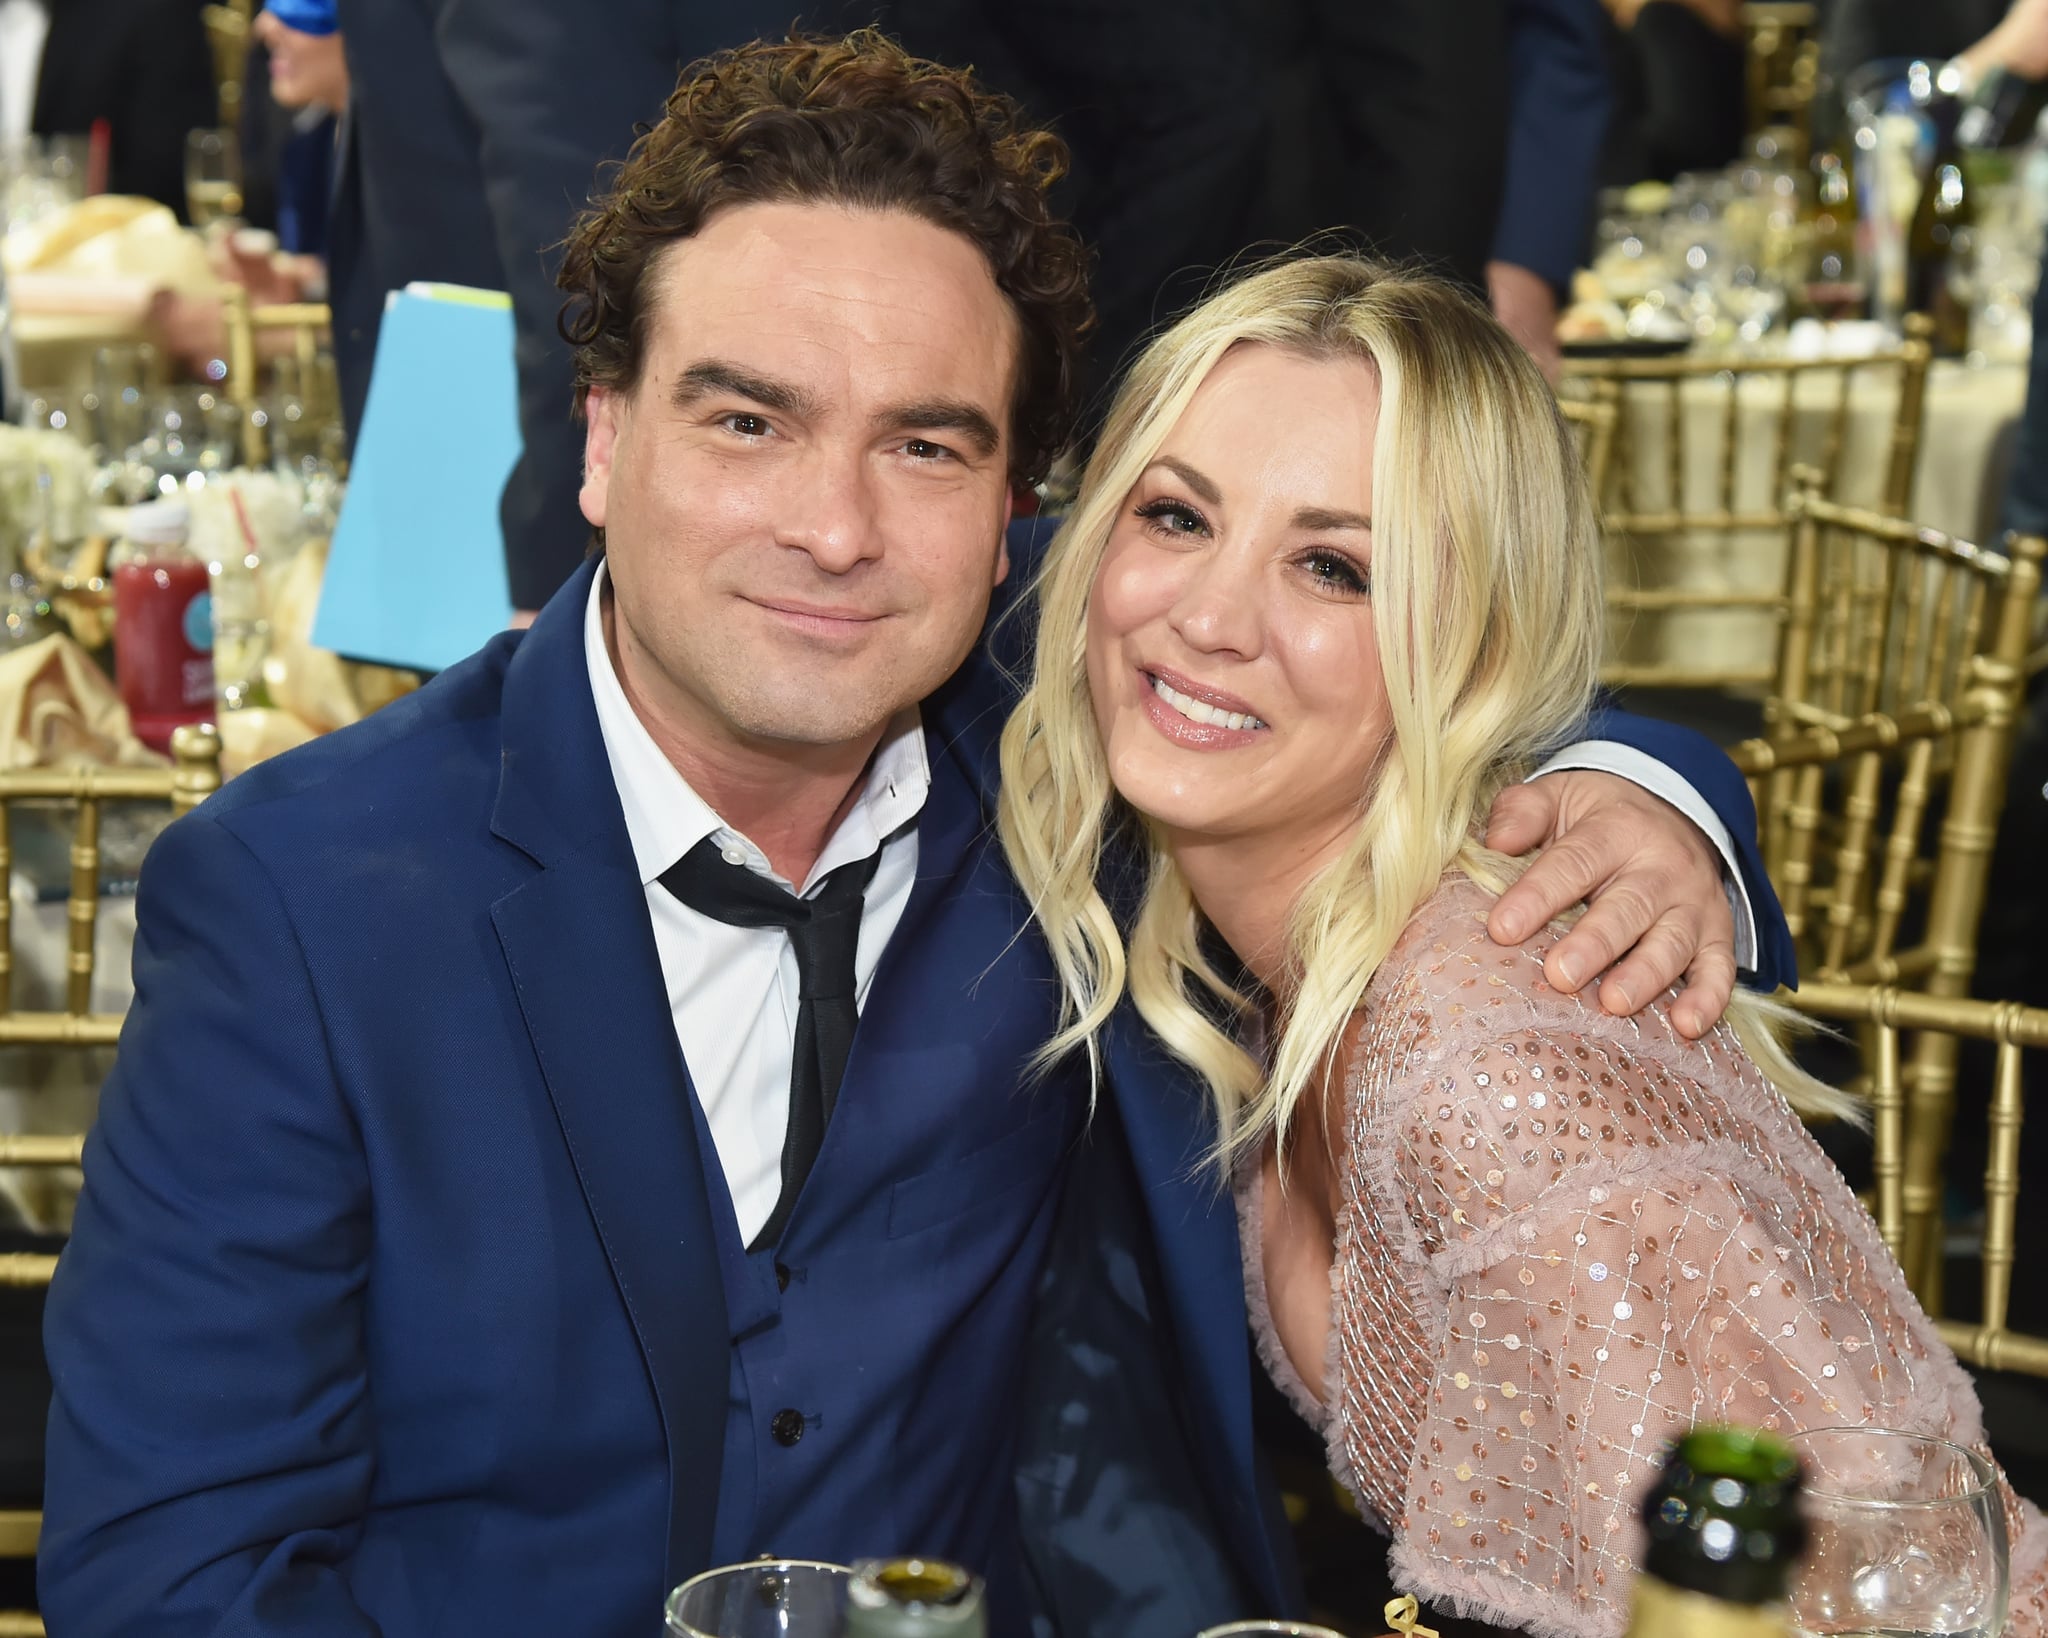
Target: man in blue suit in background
496	1215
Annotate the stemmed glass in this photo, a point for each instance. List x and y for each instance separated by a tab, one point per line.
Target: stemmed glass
213	177
1908	1537
771	1598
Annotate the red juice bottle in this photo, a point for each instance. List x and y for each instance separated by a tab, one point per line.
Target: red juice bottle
163	624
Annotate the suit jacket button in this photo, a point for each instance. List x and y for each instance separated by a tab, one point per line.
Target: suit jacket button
788	1426
782	1276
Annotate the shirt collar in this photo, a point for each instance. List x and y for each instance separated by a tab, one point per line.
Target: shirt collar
665	818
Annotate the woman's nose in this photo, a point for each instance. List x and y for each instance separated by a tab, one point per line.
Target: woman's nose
1219	609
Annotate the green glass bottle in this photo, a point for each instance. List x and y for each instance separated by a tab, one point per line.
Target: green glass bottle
914	1598
1724	1535
1936	243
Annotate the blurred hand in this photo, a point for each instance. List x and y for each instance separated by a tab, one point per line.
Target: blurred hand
2019	43
253	261
522	618
1657	907
1527	306
191	329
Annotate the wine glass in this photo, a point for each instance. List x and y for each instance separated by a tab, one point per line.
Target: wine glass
770	1598
1908	1537
213	177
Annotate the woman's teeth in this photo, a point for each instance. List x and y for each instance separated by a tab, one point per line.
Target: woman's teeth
1200	711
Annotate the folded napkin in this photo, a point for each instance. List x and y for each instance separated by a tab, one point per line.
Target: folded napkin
59	710
107	257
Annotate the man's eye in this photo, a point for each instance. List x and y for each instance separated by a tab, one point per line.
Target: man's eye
923	449
1337	572
746	424
1172	518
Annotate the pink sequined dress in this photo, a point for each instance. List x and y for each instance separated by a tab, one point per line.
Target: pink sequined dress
1563	1239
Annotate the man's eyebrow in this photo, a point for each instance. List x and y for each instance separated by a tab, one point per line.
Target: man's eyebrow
715	375
1204	487
944	415
1322	517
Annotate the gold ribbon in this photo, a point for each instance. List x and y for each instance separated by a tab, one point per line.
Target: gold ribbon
1403	1614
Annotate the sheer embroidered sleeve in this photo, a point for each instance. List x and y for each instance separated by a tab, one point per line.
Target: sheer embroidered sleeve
1603	1234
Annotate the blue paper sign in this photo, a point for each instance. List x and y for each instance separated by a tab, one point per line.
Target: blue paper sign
416	574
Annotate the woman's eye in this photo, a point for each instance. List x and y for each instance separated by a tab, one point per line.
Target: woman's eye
1337	572
1173	518
746	424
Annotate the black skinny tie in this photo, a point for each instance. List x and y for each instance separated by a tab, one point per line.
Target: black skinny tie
825	932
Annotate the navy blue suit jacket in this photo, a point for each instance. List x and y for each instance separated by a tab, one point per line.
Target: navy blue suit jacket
392	1305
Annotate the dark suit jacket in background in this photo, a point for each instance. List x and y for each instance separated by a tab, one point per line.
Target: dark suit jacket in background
1453	134
474	139
144	67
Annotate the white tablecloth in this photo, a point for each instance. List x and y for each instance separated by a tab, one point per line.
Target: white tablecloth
1958	487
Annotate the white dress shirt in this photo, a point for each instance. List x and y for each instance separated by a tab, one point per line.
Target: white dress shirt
24	26
733	991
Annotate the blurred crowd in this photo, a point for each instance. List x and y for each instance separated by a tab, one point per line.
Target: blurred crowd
391	141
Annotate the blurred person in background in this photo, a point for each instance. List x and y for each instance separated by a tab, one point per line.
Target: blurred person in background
473	140
142	66
288	129
1468	136
308	84
1679	88
1464	136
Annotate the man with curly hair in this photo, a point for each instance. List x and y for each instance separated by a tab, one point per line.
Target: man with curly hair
496	1215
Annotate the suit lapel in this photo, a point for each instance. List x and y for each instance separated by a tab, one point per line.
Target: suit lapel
581	953
1167	1123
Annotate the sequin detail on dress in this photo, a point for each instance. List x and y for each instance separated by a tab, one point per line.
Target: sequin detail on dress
1563	1239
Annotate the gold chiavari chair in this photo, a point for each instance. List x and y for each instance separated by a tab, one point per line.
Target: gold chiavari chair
1783	47
1692	495
1903	1123
1893	723
193	776
1592	423
311	325
227	32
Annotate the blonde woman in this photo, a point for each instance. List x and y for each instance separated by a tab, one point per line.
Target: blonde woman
1332	581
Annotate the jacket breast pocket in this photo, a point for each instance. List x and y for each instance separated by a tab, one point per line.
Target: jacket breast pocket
1025	1158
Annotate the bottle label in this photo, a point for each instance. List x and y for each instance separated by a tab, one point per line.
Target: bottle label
199	623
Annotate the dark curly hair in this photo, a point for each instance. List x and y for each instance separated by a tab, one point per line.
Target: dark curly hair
854	121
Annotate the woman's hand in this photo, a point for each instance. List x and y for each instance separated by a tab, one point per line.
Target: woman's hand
1657	905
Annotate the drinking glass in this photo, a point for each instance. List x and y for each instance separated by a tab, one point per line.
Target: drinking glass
1907	1537
772	1598
1268	1629
213	177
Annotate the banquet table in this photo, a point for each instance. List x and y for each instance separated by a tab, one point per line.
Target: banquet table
1971	413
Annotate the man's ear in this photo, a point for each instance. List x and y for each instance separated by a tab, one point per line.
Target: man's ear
1003	538
603	410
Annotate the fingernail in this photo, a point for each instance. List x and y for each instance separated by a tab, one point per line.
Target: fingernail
1569	972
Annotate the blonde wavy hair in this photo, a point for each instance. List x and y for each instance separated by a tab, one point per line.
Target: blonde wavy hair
1487	607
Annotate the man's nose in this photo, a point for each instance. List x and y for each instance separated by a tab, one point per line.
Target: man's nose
829	511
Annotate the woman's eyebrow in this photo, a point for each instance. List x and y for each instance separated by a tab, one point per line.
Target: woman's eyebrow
1323	517
1205	487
